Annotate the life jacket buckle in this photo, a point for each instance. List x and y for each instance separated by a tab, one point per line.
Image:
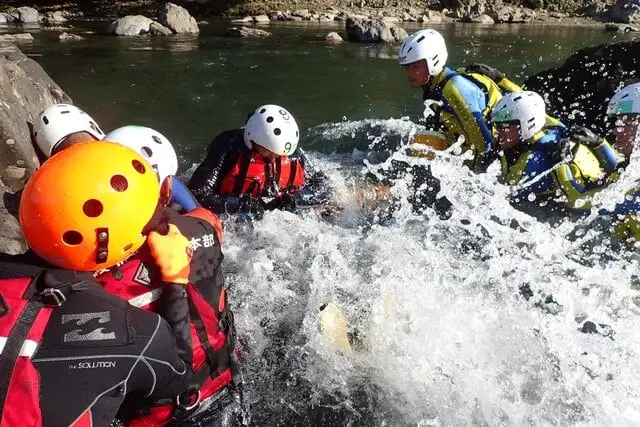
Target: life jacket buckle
56	295
190	404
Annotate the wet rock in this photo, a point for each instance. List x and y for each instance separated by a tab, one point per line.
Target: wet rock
245	20
586	81
327	17
483	19
511	14
28	15
16	38
56	17
589	328
620	28
333	38
178	19
69	37
302	13
247	32
25	90
261	19
157	29
360	30
131	25
627	11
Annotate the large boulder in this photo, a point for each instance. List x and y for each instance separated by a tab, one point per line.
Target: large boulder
627	11
131	25
178	19
28	15
578	91
25	90
362	30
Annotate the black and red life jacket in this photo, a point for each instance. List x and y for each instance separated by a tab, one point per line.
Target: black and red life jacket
138	281
255	175
24	315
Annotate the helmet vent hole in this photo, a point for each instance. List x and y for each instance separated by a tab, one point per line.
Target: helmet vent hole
420	39
277	131
147	152
119	183
72	238
138	166
45	120
156	139
296	134
92	208
269	119
65	112
264	110
127	248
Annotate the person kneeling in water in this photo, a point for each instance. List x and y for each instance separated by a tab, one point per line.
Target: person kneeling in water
543	162
62	328
62	125
199	307
258	167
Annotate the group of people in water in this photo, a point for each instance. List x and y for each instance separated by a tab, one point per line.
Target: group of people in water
118	313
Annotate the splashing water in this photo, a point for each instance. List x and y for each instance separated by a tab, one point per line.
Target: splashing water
488	318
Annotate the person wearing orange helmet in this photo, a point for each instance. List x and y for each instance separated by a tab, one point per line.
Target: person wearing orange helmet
186	251
58	324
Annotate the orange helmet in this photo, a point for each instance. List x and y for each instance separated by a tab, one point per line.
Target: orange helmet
86	207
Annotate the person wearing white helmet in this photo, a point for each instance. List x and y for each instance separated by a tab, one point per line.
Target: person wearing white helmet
62	125
624	109
543	161
159	152
258	167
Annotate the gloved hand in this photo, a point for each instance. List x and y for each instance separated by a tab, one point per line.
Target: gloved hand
487	70
586	137
172	253
251	205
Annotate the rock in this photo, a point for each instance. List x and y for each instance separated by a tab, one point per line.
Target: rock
178	19
130	25
511	14
247	32
483	19
586	81
596	8
56	17
374	31
245	20
261	19
157	29
620	28
314	17
392	19
627	11
302	13
432	17
16	38
333	38
25	90
327	17
57	28
28	15
69	37
407	17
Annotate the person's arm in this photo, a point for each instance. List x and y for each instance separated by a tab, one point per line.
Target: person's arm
316	189
205	181
181	195
468	103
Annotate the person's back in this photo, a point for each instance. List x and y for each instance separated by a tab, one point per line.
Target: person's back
71	352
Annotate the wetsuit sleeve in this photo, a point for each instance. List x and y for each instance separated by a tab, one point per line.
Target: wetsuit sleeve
578	198
607	156
182	196
174	309
205	181
170	375
468	103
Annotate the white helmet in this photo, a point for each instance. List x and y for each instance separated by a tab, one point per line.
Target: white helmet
527	108
625	101
58	121
273	128
428	45
151	145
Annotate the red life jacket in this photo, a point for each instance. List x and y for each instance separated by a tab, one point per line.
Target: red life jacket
22	325
138	281
254	175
